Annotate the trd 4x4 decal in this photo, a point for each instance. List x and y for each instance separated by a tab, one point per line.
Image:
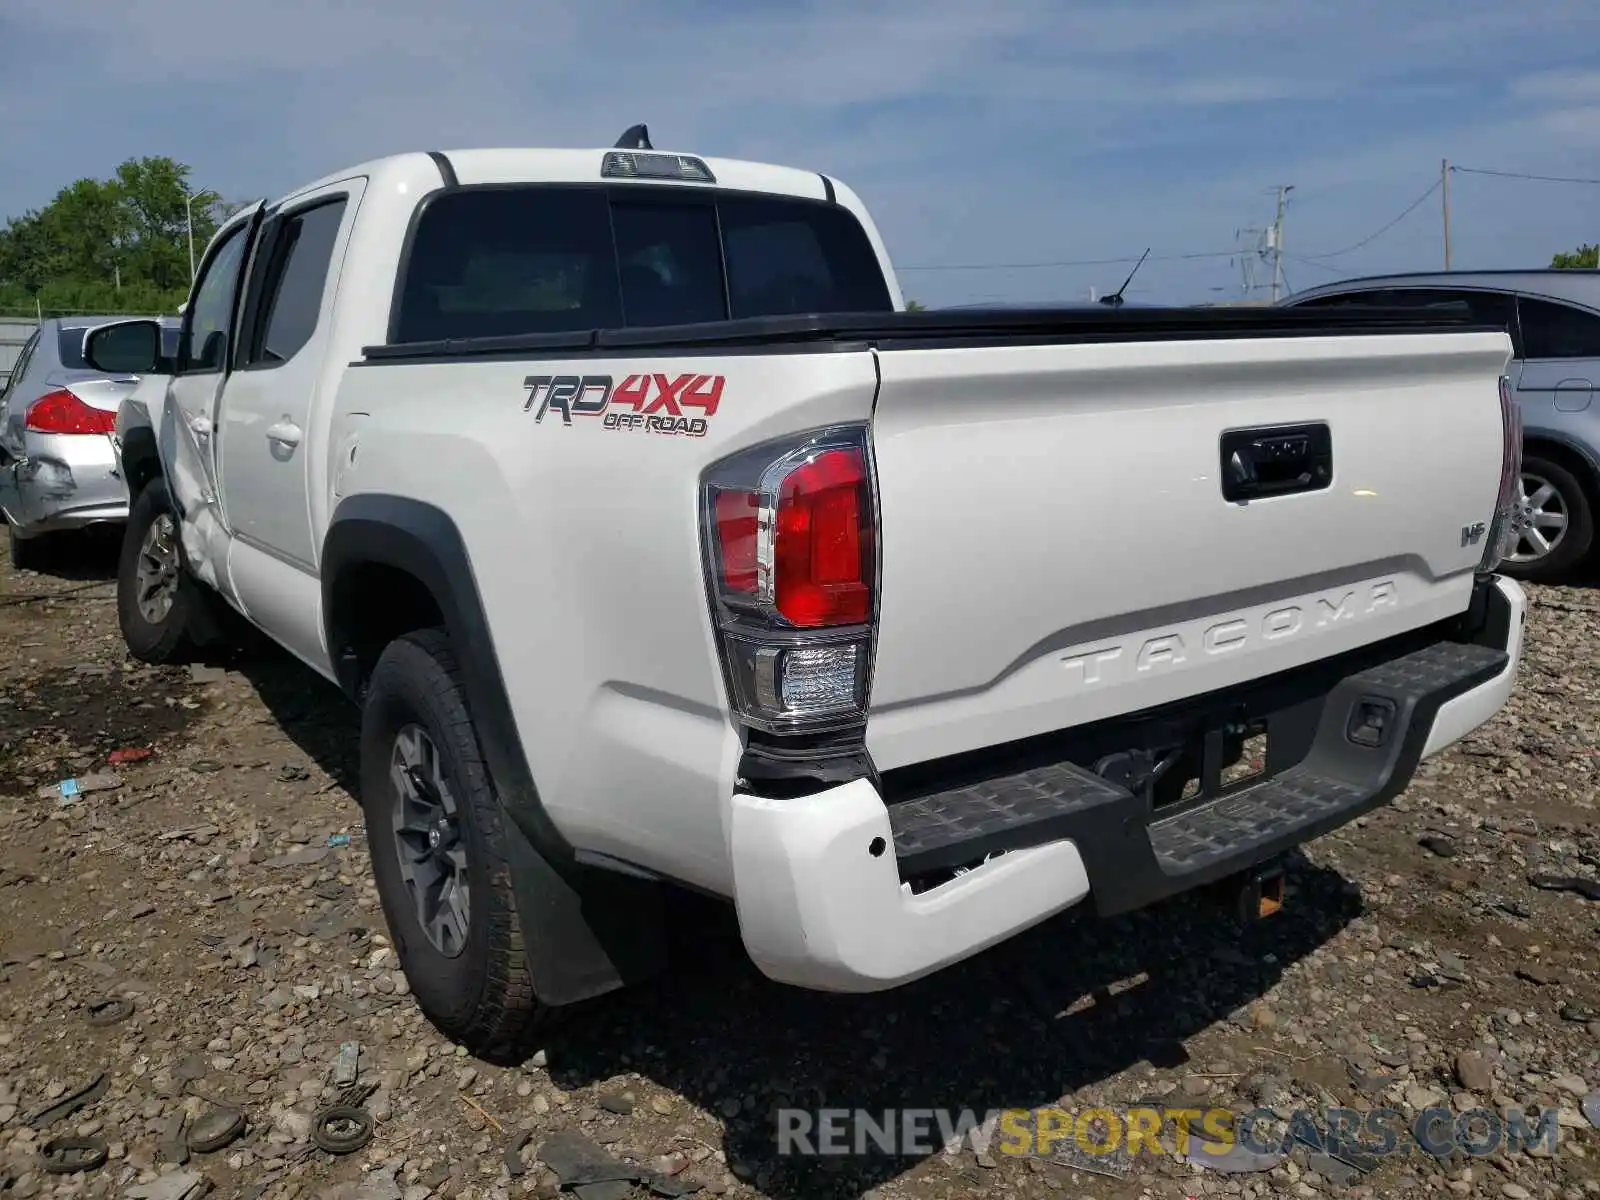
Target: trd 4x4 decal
653	403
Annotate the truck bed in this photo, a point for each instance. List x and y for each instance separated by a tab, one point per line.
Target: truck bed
1055	546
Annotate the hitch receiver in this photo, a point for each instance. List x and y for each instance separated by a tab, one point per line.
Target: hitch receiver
1261	896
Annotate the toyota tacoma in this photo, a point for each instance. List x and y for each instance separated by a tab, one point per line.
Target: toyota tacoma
660	546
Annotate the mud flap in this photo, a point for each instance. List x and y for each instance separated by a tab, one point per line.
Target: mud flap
586	931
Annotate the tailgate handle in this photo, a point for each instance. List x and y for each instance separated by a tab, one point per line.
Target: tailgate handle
1277	461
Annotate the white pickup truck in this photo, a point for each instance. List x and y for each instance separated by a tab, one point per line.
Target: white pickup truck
661	547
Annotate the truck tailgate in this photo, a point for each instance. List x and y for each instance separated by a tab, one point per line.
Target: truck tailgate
1057	547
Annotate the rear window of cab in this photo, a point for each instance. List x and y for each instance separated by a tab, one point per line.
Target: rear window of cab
528	259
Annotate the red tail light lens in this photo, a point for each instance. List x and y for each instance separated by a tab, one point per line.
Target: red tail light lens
737	518
822	545
62	412
804	549
791	557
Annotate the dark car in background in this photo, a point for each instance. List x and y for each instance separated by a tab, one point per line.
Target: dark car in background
1553	317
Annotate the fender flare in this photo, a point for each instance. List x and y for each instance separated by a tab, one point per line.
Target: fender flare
586	931
136	443
137	448
422	540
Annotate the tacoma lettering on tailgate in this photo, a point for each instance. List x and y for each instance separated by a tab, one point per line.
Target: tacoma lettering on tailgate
655	403
1228	634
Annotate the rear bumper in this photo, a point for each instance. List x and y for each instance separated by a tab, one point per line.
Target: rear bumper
64	482
820	881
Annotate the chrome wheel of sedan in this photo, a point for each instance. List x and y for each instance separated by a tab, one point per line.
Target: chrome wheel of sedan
1544	516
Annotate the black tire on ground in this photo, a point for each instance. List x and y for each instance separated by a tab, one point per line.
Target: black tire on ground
26	554
482	998
1578	538
175	636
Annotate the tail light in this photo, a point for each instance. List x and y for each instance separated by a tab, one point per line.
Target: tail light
791	559
62	412
1506	528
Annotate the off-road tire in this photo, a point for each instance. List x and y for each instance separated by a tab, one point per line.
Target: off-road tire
483	998
178	635
1574	549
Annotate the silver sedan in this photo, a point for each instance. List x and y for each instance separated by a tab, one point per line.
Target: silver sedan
58	466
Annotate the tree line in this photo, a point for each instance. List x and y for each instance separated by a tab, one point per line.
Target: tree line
109	245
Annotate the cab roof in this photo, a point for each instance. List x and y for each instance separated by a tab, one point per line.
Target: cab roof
508	165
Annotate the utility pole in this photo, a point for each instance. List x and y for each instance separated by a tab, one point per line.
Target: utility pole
1444	180
1277	241
1252	246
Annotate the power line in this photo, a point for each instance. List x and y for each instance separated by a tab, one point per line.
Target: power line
1208	254
1406	212
1521	175
1078	262
1312	263
1308	259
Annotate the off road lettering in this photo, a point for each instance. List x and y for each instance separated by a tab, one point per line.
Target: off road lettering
679	426
658	402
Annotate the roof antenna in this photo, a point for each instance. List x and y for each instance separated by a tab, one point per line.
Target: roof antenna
636	138
1114	300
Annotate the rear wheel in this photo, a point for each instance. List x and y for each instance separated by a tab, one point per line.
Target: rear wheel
1557	523
439	851
159	607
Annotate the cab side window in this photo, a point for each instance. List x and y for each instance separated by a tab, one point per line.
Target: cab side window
296	277
208	321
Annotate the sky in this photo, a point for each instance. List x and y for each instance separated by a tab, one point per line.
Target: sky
1012	136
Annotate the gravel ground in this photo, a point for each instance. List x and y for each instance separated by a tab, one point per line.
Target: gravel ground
222	887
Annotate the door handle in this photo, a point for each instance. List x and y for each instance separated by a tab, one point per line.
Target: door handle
285	431
201	427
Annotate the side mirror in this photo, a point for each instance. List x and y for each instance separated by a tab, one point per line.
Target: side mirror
124	347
